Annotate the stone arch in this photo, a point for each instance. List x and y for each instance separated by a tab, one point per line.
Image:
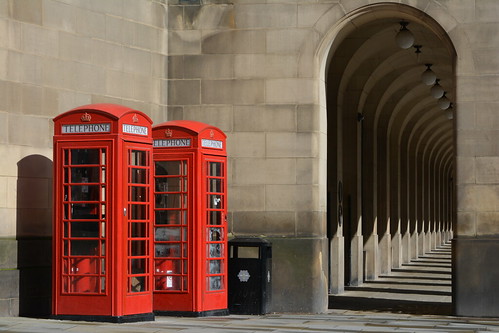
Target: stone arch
402	119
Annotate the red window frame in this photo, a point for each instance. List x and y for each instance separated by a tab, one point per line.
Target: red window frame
215	203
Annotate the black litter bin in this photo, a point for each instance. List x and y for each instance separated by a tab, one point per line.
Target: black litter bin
250	266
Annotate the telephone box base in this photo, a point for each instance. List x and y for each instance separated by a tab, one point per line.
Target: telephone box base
210	313
108	319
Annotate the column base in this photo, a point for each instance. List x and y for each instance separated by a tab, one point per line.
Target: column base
371	259
475	273
397	250
357	263
385	254
337	265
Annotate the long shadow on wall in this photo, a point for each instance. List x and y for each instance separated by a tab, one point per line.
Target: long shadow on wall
34	235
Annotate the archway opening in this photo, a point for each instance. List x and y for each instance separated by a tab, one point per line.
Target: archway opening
390	145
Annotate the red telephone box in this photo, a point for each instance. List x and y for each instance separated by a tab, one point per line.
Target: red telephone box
190	227
102	232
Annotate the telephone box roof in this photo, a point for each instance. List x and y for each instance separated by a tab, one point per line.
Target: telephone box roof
112	110
192	125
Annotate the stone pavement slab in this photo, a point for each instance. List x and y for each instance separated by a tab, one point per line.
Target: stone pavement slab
332	321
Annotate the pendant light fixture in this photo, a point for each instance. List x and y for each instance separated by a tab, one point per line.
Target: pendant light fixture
443	102
450	112
428	77
437	91
404	38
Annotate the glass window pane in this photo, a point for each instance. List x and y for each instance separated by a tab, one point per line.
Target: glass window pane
84	266
215	169
214	185
138	157
168	283
167	234
139	248
215	234
171	168
138	193
138	266
215	201
214	283
138	212
85	193
215	217
170	200
168	184
167	250
85	175
84	284
139	176
137	284
168	267
138	229
84	229
85	211
214	250
168	217
214	267
85	156
84	247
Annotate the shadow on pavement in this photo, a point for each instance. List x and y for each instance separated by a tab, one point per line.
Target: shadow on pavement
389	305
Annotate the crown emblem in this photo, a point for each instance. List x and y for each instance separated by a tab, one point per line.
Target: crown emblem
169	133
212	134
86	117
135	119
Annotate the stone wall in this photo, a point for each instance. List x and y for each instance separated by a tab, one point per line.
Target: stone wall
252	68
54	56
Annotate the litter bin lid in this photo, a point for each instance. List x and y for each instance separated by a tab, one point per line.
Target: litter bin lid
249	241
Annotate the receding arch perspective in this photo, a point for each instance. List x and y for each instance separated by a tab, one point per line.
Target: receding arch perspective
391	147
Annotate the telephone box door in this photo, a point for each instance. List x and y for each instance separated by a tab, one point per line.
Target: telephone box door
173	235
215	229
138	215
82	205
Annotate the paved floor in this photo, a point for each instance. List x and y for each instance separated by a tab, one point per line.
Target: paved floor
415	298
420	287
333	321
